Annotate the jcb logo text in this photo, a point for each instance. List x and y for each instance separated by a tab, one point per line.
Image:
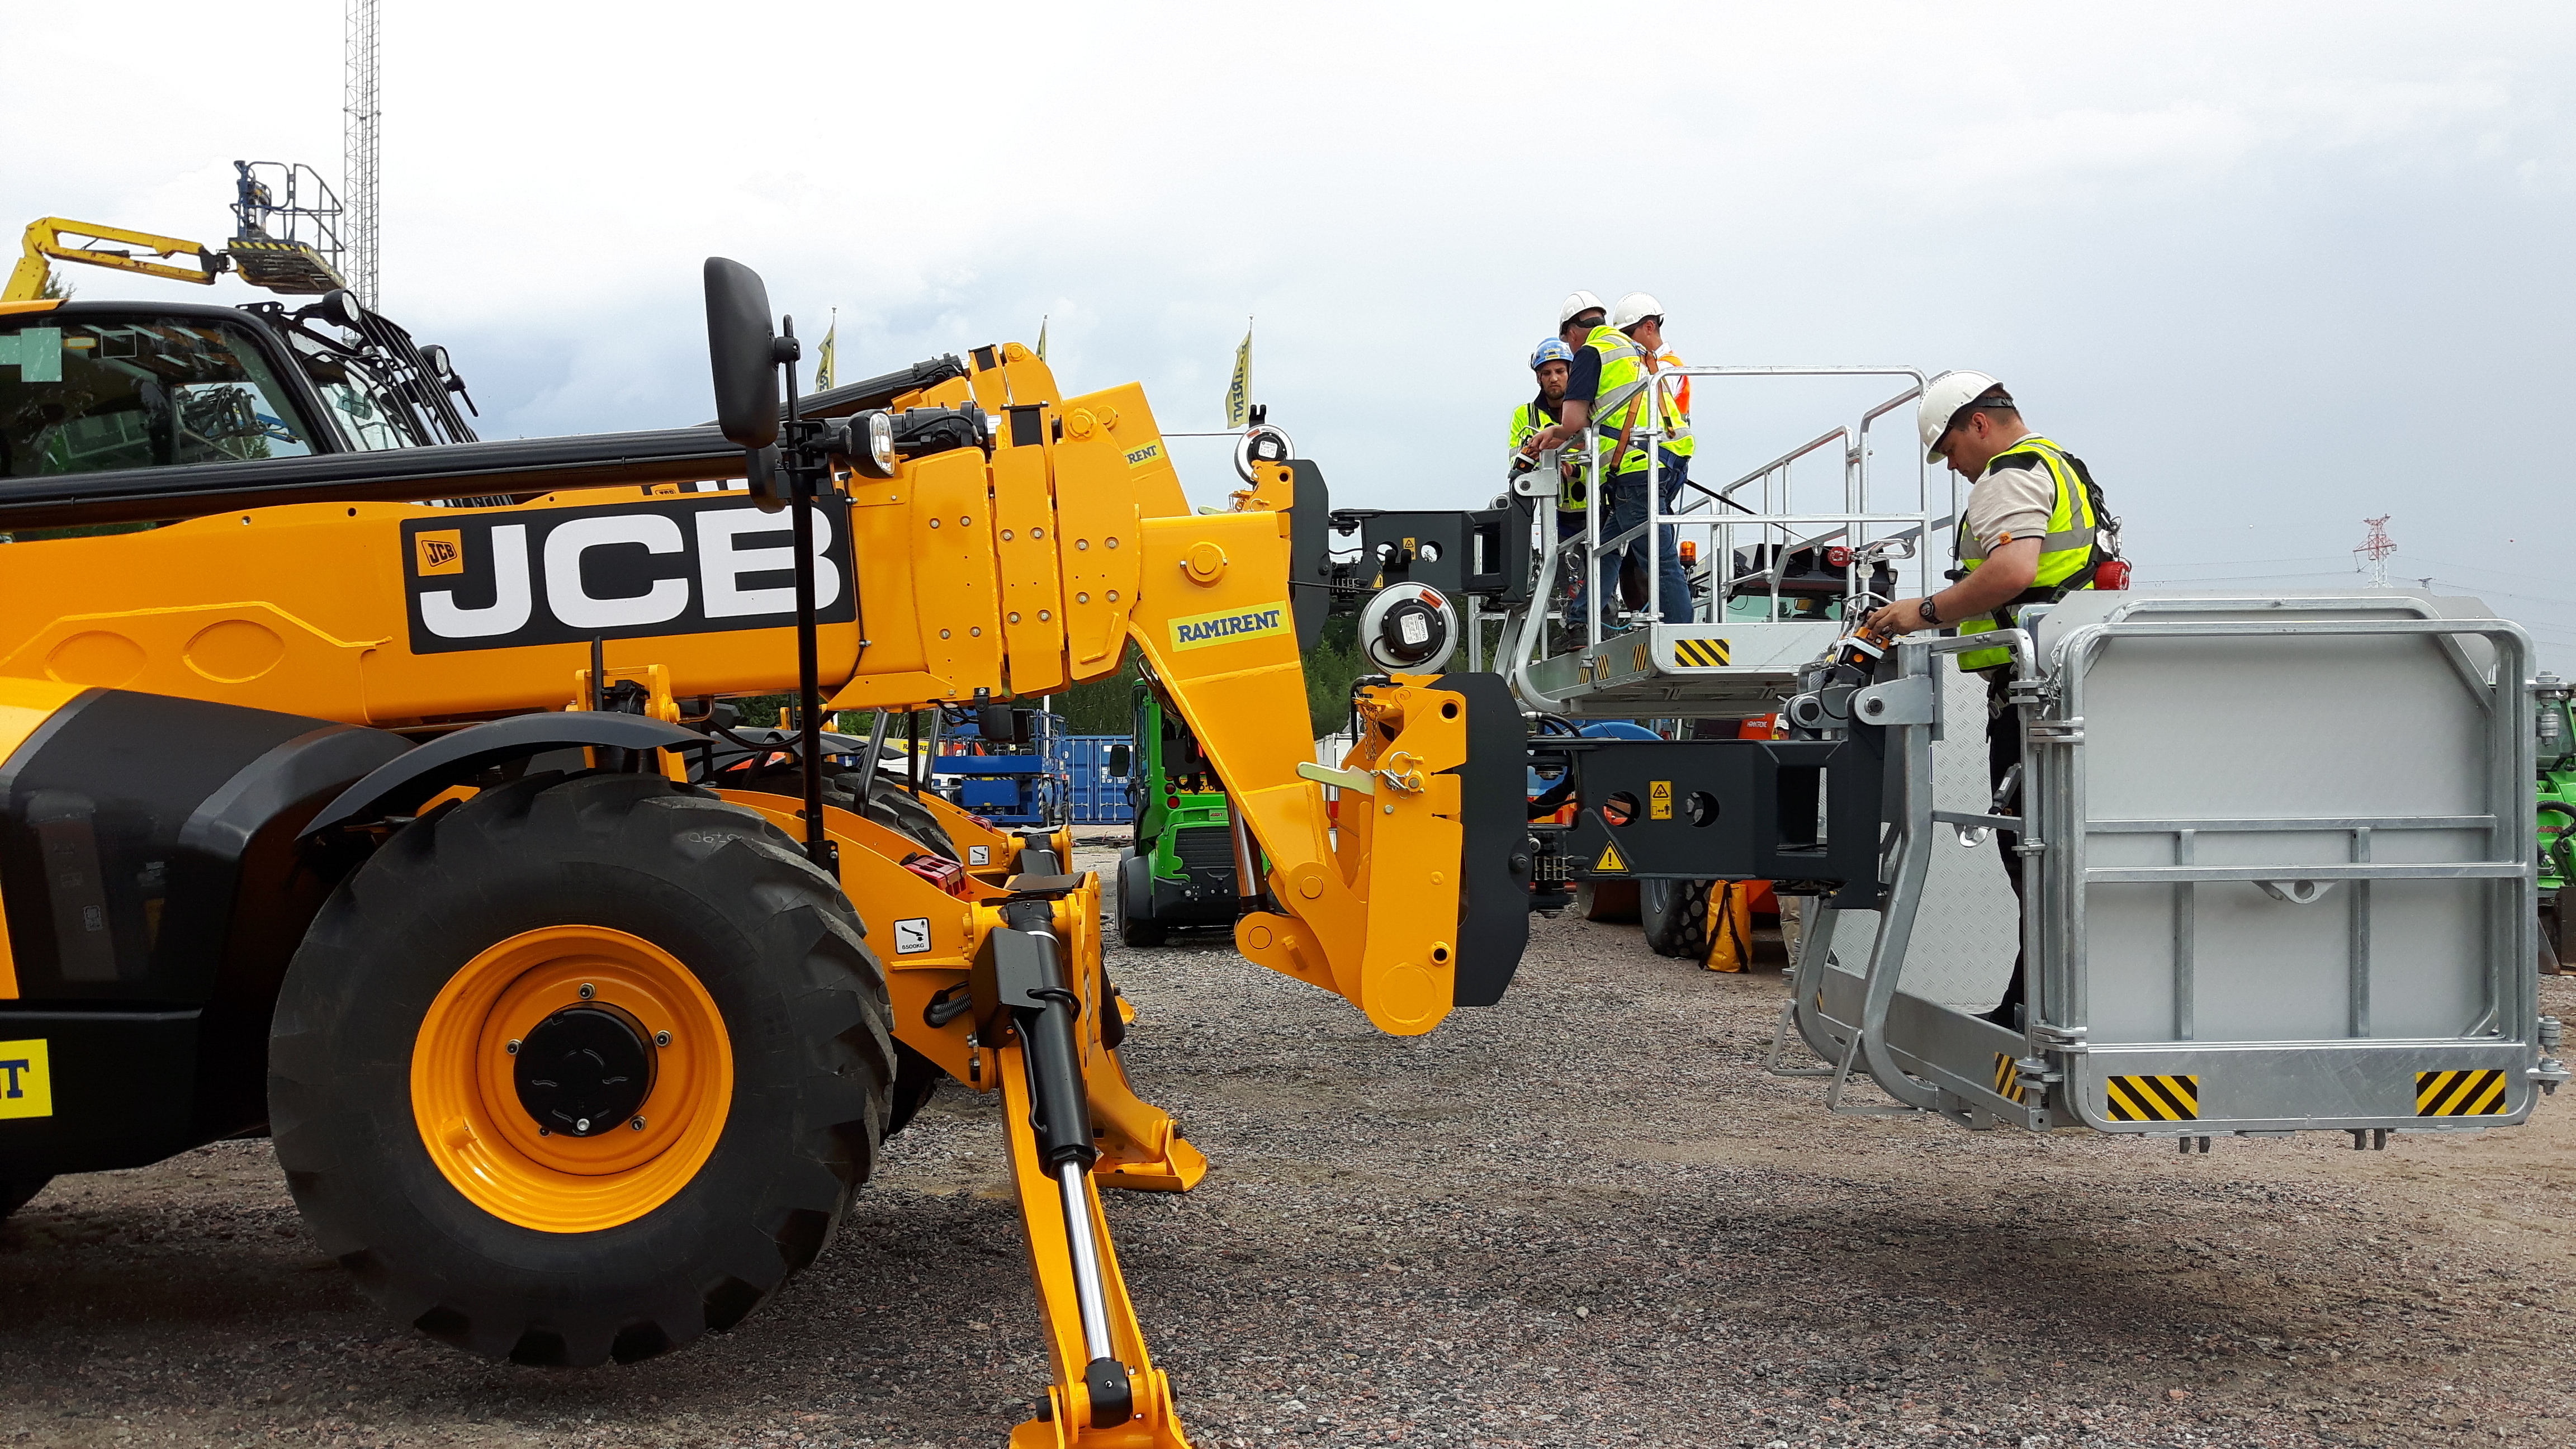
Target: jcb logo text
512	577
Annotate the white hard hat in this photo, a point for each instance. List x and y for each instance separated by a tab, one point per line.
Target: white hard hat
1634	308
1576	304
1943	396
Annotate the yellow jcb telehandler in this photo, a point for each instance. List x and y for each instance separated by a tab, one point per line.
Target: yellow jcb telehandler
392	827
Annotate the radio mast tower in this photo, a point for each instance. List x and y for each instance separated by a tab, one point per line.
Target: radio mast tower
2376	549
361	147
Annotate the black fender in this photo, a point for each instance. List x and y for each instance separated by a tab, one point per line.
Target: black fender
401	786
150	855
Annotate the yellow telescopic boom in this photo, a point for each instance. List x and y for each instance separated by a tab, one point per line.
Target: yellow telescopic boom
45	240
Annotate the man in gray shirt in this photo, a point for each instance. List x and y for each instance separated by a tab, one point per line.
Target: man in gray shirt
2032	530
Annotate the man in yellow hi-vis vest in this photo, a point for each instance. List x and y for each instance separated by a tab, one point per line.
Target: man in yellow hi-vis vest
1550	365
1606	391
2033	532
1579	326
1641	317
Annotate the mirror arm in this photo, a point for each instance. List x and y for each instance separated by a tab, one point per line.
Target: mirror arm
800	460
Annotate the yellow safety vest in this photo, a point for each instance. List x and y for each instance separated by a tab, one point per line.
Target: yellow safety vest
1623	377
1528	420
2070	548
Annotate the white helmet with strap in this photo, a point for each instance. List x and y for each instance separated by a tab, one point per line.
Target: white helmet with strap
1943	396
1634	308
1576	304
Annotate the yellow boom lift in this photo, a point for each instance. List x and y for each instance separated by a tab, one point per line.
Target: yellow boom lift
386	823
284	241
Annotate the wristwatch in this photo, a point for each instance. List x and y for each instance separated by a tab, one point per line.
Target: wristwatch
1925	609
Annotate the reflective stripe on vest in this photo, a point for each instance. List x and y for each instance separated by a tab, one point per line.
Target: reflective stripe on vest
1677	422
1527	420
1623	376
2064	551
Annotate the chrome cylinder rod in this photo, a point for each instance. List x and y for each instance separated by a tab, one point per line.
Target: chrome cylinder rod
1088	1294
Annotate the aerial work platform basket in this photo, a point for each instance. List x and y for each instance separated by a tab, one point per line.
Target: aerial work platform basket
2278	858
1783	549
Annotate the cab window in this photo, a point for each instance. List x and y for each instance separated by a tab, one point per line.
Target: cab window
361	401
91	395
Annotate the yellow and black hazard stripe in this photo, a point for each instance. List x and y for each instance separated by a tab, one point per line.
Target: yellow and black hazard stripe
2008	1080
1700	653
2460	1094
2165	1098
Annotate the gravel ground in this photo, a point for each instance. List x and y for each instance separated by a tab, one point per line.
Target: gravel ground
1584	1217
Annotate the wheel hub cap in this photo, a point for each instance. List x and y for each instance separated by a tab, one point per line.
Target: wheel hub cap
584	1070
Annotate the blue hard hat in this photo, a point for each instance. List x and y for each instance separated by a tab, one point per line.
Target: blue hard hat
1552	350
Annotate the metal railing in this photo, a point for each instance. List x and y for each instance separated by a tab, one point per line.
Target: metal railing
1772	528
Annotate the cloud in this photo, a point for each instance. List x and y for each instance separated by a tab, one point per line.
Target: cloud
2276	266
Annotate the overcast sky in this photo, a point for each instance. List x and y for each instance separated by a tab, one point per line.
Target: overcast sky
2269	269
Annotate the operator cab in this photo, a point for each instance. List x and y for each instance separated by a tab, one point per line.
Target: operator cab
103	386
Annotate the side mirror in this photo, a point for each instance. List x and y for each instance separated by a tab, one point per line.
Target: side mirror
1121	762
739	349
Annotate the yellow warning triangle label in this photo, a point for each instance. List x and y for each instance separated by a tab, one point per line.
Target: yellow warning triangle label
1609	859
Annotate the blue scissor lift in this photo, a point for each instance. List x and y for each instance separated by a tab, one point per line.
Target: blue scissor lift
1010	780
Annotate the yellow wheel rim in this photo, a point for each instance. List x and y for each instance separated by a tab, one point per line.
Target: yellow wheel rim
466	1102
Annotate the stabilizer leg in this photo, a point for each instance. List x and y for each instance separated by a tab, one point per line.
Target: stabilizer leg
1141	1147
1066	1422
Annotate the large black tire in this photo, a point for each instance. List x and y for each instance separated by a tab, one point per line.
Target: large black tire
1675	916
894	807
775	945
17	1192
1612	902
1136	923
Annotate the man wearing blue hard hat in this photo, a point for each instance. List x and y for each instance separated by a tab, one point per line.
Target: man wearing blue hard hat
1552	364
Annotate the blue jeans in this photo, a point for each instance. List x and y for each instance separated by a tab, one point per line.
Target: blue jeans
1628	510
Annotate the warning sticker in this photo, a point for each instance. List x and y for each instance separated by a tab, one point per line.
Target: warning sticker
2155	1098
1659	800
2008	1080
979	855
1701	653
1610	860
2452	1094
912	935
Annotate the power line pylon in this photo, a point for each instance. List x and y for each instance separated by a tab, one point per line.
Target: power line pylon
361	146
2376	550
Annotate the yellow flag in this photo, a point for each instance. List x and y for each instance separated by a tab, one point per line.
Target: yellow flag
1042	339
1238	393
823	357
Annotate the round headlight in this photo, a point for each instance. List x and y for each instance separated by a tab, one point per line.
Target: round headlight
881	441
1408	628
